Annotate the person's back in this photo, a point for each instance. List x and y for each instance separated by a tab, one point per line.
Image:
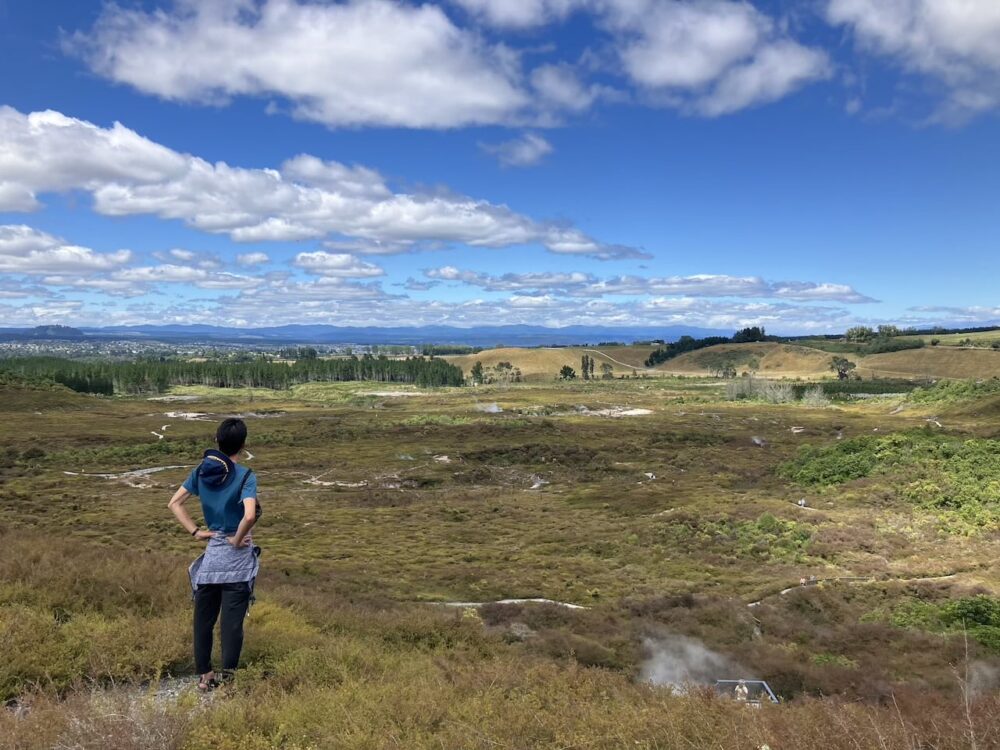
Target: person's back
222	578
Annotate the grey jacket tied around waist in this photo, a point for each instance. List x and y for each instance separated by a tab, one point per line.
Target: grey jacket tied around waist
221	562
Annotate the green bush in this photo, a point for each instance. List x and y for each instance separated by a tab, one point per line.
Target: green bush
979	616
958	477
946	391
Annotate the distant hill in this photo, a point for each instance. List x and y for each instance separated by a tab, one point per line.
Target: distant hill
485	336
48	333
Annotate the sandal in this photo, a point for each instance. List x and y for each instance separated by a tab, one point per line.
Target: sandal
206	686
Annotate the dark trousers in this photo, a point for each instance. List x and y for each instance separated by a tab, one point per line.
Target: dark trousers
232	599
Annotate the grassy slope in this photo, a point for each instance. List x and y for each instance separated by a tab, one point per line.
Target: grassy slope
778	360
932	362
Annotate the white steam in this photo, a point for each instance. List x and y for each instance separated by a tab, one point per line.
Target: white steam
677	661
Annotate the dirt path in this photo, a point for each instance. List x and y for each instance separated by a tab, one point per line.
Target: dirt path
623	364
476	605
813	582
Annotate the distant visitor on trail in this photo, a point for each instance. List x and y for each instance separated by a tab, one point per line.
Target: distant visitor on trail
222	578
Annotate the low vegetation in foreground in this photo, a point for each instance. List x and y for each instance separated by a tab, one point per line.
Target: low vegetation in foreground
841	549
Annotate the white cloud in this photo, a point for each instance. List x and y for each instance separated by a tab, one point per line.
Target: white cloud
355	182
510	282
955	42
49	152
12	288
183	255
369	247
362	62
519	14
414	285
250	260
976	314
532	302
342	265
525	151
24	250
401	64
578	284
303	200
343	302
807	290
775	71
559	87
171	273
710	56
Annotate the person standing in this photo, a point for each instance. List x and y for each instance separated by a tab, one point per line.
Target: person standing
222	578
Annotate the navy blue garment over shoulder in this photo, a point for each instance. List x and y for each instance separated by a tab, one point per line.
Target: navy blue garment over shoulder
217	482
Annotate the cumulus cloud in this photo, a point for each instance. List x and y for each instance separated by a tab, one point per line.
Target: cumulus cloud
956	44
712	57
341	265
525	151
519	14
559	87
24	250
171	273
49	152
578	284
305	199
362	62
251	260
183	255
401	64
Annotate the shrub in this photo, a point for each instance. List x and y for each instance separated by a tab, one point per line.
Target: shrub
815	397
771	391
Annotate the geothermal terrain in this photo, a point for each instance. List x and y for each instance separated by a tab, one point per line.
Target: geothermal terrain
536	564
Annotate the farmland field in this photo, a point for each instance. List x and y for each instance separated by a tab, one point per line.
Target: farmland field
669	517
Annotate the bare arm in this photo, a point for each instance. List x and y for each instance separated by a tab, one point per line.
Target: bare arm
239	539
176	506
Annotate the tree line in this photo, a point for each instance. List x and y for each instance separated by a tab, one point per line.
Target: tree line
154	376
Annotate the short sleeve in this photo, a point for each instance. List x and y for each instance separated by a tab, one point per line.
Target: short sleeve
191	483
249	487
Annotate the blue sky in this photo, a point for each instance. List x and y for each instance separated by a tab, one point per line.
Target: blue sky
805	166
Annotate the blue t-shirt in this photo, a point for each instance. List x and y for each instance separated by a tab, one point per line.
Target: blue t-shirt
223	507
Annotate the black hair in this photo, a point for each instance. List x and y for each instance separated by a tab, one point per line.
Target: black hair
231	436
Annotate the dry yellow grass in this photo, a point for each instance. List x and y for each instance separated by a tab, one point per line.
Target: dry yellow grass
932	362
776	360
545	363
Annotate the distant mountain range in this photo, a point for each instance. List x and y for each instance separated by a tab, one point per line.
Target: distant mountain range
485	336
